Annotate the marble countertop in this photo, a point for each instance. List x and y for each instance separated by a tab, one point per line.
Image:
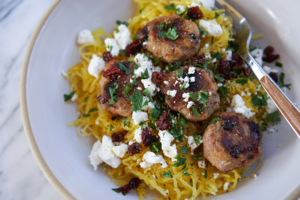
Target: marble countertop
20	176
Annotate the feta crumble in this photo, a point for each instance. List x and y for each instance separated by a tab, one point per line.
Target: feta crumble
74	97
94	157
171	93
180	9
96	65
151	158
228	55
191	70
212	27
201	164
63	73
190	103
123	37
271	107
166	138
149	85
112	46
192	79
257	54
192	144
238	106
120	150
186	97
226	186
268	70
216	175
106	152
85	36
208	4
139	117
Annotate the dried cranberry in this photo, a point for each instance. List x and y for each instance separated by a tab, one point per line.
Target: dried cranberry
224	68
134	148
134	47
158	77
268	50
117	137
133	184
163	122
147	137
269	56
112	71
246	71
195	13
274	77
107	56
200	59
237	60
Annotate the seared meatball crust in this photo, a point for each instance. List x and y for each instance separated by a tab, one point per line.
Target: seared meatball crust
122	104
233	142
183	48
204	81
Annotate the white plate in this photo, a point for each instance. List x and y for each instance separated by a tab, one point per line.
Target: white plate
63	155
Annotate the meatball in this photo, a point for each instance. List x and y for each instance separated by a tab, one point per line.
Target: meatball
112	75
172	38
182	89
233	142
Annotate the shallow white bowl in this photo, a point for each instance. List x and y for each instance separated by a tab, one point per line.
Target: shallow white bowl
63	155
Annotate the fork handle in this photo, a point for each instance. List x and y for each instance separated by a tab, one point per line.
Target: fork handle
286	107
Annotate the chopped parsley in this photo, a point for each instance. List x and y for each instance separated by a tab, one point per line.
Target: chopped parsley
185	173
273	117
170	7
145	75
278	64
183	85
197	139
171	34
120	22
215	120
205	174
116	190
141	10
85	99
157	62
165	23
180	161
216	15
117	31
147	93
242	81
151	125
91	110
184	150
68	97
123	52
223	91
198	156
123	68
173	66
167	174
179	73
155	114
155	147
125	121
195	111
217	55
256	101
212	39
128	87
137	99
194	96
281	81
111	127
135	37
202	31
112	92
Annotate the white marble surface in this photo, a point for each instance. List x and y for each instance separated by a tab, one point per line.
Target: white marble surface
20	176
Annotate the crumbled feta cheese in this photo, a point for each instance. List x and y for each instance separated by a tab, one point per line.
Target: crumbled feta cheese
166	138
207	56
216	175
144	63
220	84
186	97
123	37
194	5
166	82
180	9
214	60
94	155
192	79
228	55
257	54
145	43
112	46
151	158
139	88
171	93
106	152
120	150
208	4
268	70
226	186
96	65
212	27
243	93
85	36
190	103
131	142
201	164
149	85
271	107
63	73
167	192
191	70
238	106
223	49
149	106
192	144
139	116
74	97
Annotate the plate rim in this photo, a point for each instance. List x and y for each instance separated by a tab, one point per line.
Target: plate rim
63	192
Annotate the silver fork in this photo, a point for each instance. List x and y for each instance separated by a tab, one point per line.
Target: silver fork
243	37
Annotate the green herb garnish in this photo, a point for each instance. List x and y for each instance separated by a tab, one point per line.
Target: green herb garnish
123	68
112	92
155	147
120	22
68	97
167	174
184	150
137	100
180	161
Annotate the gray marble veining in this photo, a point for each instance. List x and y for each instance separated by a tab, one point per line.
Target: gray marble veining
20	176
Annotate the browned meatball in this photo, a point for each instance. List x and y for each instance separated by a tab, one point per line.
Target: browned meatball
201	81
112	75
183	47
233	142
